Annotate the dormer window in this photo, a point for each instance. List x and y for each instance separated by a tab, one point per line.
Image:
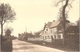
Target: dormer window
46	29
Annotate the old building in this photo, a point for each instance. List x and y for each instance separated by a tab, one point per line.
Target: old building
72	35
53	32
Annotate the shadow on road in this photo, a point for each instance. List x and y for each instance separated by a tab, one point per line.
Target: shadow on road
23	48
66	48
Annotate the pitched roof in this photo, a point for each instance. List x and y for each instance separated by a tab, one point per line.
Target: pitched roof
55	24
52	24
48	24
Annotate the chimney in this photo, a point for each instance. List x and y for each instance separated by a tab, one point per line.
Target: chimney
53	20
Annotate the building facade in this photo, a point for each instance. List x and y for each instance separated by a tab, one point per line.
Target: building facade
53	32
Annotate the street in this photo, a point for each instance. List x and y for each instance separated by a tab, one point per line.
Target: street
21	46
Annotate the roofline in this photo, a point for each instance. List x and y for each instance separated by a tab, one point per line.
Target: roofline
55	26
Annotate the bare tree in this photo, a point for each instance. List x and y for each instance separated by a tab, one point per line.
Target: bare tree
6	15
63	13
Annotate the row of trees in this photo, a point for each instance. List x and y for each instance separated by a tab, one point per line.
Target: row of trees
26	35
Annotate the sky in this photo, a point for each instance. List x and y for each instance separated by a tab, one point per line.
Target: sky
31	15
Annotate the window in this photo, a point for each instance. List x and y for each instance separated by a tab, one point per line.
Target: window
48	36
59	37
54	36
43	37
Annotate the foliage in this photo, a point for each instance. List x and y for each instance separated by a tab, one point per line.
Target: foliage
8	32
6	15
37	34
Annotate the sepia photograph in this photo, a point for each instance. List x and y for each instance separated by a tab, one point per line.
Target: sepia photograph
39	25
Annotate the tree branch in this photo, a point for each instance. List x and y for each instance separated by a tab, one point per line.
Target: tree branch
59	2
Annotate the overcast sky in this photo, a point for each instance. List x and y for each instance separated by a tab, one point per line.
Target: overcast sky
31	15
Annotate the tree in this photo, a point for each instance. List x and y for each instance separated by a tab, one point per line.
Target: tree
6	41
8	31
6	15
37	34
63	14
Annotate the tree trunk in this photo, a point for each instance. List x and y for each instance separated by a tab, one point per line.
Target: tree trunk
1	35
1	29
64	19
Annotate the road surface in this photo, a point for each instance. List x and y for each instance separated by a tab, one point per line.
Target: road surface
21	46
